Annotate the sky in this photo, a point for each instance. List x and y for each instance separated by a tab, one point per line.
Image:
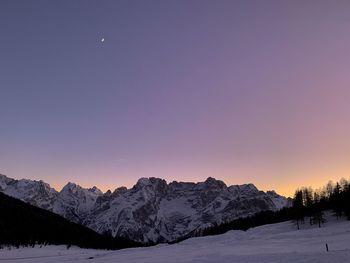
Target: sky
243	91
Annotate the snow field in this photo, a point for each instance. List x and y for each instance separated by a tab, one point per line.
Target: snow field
278	243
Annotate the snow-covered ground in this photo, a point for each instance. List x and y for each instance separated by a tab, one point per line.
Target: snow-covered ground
266	244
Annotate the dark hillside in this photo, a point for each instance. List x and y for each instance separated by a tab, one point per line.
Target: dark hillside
22	224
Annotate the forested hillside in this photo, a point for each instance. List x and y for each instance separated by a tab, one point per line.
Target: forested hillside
307	203
22	224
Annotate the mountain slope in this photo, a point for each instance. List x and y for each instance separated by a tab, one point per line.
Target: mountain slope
36	193
277	243
24	224
156	211
152	210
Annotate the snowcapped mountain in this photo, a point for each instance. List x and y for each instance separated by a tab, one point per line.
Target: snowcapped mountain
36	193
72	202
75	203
278	200
152	210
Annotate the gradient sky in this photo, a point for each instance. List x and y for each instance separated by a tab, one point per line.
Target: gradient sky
243	91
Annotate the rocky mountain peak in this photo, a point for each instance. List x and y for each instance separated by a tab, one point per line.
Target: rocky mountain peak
120	190
95	190
272	193
4	181
151	210
72	189
70	186
211	182
151	184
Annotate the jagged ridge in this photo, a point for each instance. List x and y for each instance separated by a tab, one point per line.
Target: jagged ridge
152	210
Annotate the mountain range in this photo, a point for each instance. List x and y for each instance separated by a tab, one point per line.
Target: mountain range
22	224
153	210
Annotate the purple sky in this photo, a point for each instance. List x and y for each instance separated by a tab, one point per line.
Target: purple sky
243	91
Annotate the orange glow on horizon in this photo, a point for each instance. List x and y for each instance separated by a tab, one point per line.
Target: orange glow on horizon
286	188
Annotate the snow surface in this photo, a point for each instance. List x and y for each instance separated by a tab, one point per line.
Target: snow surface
160	211
266	244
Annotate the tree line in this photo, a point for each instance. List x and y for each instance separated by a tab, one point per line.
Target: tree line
306	203
22	224
311	204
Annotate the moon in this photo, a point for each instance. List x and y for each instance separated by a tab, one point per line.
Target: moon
102	40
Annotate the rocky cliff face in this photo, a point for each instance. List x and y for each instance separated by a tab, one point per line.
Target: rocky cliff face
36	193
152	210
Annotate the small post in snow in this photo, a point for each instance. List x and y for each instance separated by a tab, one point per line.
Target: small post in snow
327	247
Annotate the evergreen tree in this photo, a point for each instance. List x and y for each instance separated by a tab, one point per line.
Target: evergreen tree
298	207
336	201
317	216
